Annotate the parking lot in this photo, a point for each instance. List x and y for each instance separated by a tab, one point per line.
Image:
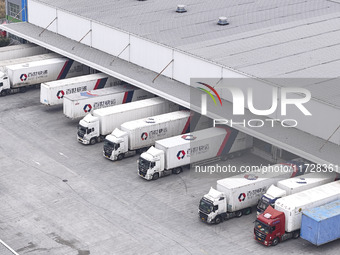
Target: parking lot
60	197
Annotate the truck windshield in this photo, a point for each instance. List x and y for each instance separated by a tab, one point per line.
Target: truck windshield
206	206
81	130
144	164
110	145
262	227
262	205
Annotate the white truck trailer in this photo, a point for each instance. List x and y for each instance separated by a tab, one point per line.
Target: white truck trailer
134	136
170	155
52	93
25	60
284	222
293	185
235	196
20	51
96	125
79	104
18	77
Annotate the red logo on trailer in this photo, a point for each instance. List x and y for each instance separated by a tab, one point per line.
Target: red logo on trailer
144	136
60	94
180	154
87	108
188	137
242	197
23	77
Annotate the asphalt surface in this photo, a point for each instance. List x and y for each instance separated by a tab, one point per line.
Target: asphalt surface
60	197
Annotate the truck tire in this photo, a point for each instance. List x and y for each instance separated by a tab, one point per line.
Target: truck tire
176	170
296	234
155	176
120	157
93	141
218	220
99	139
247	211
238	214
3	93
275	241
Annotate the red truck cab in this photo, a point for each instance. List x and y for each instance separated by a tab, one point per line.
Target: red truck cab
269	227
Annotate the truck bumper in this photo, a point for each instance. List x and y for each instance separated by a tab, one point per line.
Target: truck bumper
111	157
147	176
263	242
203	217
83	141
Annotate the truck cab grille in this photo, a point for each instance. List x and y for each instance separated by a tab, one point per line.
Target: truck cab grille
81	134
142	173
259	236
203	216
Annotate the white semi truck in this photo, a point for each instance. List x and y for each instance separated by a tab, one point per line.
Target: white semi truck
170	155
292	186
20	51
236	195
79	104
101	122
284	222
18	77
139	134
53	92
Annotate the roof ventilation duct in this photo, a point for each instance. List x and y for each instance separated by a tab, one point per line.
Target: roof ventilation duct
181	8
222	21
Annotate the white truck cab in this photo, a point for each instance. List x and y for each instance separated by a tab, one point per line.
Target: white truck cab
151	164
269	198
116	145
212	204
4	84
88	130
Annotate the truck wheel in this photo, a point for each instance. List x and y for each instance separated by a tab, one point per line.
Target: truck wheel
275	241
155	176
296	234
224	157
247	211
3	93
93	141
232	155
177	170
218	220
99	139
120	157
238	214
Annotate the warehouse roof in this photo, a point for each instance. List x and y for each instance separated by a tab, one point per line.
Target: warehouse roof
281	39
158	21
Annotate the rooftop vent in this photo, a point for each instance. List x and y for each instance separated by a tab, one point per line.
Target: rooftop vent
150	120
181	8
222	21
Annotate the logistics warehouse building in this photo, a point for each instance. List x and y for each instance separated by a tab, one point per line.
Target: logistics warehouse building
266	42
